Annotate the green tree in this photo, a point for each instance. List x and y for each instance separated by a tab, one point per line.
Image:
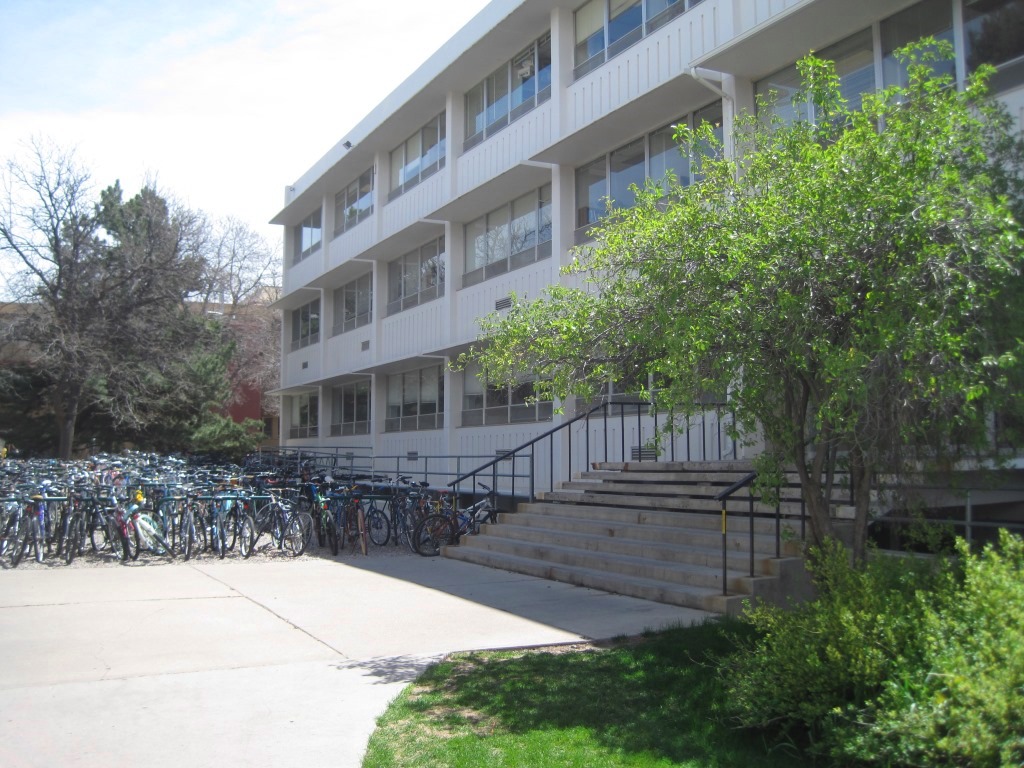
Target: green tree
104	316
853	284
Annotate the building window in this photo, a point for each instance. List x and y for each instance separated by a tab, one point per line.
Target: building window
605	28
511	91
994	34
418	157
417	277
354	203
307	236
305	416
485	404
350	409
415	400
609	179
512	236
353	305
306	325
927	18
855	67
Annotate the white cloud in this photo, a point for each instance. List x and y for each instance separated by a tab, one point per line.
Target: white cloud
224	103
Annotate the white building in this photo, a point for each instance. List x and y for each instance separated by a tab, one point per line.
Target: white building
476	177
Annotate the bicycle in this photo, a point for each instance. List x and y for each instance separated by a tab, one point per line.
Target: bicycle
447	526
290	530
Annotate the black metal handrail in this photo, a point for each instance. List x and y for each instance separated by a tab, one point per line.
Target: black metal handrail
527	449
513	452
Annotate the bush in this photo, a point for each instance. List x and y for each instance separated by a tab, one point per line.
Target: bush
903	662
963	704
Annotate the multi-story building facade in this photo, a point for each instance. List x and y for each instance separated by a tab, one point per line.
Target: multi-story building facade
475	179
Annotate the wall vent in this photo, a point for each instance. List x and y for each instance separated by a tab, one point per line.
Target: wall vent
642	453
413	456
366	345
305	365
505	303
500	453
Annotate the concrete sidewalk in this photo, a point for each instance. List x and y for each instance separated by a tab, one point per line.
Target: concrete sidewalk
233	663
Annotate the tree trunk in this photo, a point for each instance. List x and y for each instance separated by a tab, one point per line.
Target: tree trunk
861	476
65	409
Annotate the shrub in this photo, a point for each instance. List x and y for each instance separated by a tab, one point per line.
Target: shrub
902	662
837	650
963	704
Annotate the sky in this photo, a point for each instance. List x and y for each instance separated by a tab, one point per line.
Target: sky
223	103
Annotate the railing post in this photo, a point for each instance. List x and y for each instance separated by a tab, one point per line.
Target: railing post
750	491
533	487
725	552
968	514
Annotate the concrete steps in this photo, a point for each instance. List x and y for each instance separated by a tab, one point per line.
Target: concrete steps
648	530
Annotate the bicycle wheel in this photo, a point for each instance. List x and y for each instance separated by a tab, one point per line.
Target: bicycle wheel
134	540
297	533
378	527
246	535
72	538
39	535
431	534
98	534
218	539
187	534
230	528
21	544
331	534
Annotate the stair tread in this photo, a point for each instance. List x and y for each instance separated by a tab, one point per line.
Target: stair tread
680	588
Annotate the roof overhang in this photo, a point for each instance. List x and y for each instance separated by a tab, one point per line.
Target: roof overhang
793	33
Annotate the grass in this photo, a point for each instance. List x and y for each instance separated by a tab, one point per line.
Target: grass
647	702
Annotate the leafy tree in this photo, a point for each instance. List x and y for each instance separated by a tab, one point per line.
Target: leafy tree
853	284
104	317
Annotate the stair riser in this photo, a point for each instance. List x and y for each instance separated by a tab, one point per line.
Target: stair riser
736	520
607	582
707	577
738	540
659	550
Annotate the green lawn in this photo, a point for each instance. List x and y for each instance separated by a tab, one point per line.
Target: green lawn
645	702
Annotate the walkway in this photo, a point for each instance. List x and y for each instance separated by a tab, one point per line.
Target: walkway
239	663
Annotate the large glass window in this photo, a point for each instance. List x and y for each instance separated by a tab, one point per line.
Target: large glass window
308	236
626	168
604	28
511	91
416	277
306	325
855	67
932	18
512	236
305	416
994	34
353	305
418	157
609	179
350	409
415	400
483	403
354	203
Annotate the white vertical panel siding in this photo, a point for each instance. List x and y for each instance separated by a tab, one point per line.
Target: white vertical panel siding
427	196
750	13
485	442
292	371
414	331
478	301
298	275
655	60
506	149
352	243
433	465
345	354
